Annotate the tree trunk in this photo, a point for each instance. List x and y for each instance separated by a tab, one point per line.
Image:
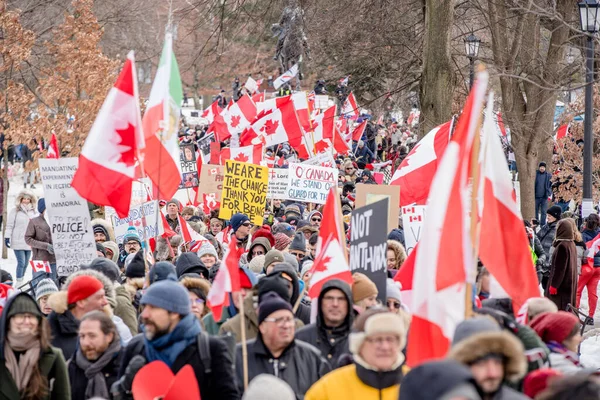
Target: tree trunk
437	79
4	200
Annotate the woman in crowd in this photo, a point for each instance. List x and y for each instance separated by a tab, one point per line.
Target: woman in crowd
396	255
562	283
16	225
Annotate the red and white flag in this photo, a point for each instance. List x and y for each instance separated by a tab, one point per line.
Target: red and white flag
161	125
212	111
107	161
40	266
350	107
413	117
358	131
234	119
330	262
561	132
187	232
303	109
416	171
53	147
505	252
167	232
250	154
445	249
340	145
323	126
251	85
227	280
285	77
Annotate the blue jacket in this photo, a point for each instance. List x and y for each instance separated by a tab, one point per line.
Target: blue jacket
365	154
543	188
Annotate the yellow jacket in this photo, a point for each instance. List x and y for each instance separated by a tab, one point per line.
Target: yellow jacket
344	383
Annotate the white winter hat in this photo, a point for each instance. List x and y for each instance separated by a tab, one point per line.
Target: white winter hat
268	387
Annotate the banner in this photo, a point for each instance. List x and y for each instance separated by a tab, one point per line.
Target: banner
189	168
244	191
149	210
368	244
68	216
211	182
278	183
310	183
412	222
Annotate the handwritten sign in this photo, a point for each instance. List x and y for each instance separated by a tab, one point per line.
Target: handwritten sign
278	183
189	168
244	191
148	210
412	222
68	216
324	159
310	183
211	182
368	244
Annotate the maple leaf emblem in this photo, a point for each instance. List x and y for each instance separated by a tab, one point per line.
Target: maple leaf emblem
241	157
321	146
235	121
314	125
127	145
270	127
322	266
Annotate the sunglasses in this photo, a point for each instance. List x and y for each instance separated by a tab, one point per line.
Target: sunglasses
299	255
393	304
246	224
316	219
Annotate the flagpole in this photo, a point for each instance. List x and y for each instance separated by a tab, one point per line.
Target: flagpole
244	346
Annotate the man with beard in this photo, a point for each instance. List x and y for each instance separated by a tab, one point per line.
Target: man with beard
95	365
172	334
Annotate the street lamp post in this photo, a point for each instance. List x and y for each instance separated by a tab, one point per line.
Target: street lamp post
588	18
472	49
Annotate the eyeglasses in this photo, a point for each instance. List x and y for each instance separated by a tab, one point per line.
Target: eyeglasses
280	321
18	318
132	243
196	301
316	219
298	255
383	339
349	168
393	304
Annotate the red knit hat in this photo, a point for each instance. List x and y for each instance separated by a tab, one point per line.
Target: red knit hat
82	287
537	381
264	231
245	282
554	326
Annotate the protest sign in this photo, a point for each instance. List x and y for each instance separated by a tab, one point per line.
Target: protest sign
324	159
148	210
368	244
211	183
278	183
367	194
310	183
204	146
189	168
412	222
68	216
244	191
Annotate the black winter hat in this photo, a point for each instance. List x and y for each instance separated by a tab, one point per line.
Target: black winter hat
190	263
440	378
162	270
555	211
273	284
542	164
271	302
299	242
137	267
106	267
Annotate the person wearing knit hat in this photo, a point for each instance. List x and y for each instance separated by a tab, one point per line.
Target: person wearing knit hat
264	231
137	267
364	292
161	271
173	209
292	260
293	211
543	192
237	220
561	332
43	290
555	212
494	356
537	381
314	218
276	352
268	387
298	247
394	299
259	247
208	254
282	241
106	267
166	295
257	264
272	258
131	241
444	380
305	272
283	227
376	343
112	251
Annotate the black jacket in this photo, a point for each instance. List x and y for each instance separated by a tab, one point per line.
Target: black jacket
543	186
218	384
79	381
64	329
300	365
332	342
303	311
188	263
546	236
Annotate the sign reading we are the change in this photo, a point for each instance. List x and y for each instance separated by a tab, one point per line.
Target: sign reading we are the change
244	191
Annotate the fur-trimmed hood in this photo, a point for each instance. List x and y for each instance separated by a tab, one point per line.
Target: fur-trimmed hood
195	283
107	227
26	193
58	300
481	344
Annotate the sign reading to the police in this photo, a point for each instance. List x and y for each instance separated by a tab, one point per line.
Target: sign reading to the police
244	191
189	168
310	183
278	183
368	244
412	222
68	216
147	210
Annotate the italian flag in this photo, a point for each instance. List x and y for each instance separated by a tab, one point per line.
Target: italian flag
161	124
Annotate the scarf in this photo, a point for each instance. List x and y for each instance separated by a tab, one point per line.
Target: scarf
21	370
558	348
96	384
167	347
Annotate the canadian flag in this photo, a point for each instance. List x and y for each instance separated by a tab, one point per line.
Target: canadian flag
323	126
258	97
340	145
505	252
107	161
350	107
161	124
187	233
251	154
234	119
416	171
166	228
40	266
212	111
303	109
330	261
358	131
561	132
227	280
445	250
500	122
251	85
53	147
285	77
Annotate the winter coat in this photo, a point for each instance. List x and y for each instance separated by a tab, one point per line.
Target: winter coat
1	192
233	325
588	236
125	309
562	363
107	227
300	365
38	235
79	380
363	154
303	311
581	255
543	186
173	223
52	365
332	342
188	263
546	236
217	384
563	270
211	326
17	221
355	382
